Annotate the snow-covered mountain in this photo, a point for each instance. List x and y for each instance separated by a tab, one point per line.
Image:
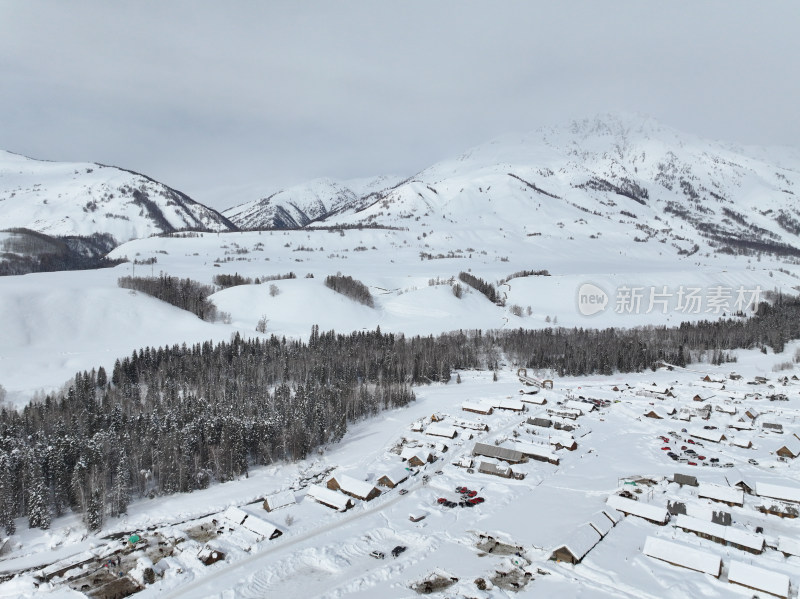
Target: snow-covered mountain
67	198
308	202
615	176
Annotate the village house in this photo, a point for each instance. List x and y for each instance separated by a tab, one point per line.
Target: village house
684	479
416	456
630	507
683	556
758	579
353	487
790	449
441	430
501	453
541	422
477	408
720	493
327	497
393	477
252	523
541	453
495	470
578	544
278	500
724	535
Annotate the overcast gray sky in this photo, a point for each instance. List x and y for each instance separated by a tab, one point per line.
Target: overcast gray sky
224	100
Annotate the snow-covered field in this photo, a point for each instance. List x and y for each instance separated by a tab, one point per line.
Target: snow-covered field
55	324
325	553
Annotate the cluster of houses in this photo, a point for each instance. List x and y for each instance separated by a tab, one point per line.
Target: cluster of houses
718	529
739	573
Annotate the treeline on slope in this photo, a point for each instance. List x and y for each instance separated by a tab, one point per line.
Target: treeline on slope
175	419
225	280
350	287
484	287
26	251
182	293
178	418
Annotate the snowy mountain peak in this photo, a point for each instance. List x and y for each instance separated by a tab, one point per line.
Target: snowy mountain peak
72	198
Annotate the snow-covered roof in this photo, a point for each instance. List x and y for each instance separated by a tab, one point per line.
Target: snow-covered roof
581	541
410	452
441	430
250	522
601	523
505	403
741	442
682	555
396	474
729	534
789	545
535	399
741	426
533	449
470	424
793	446
612	515
577	405
725	408
325	495
777	492
761	579
353	486
637	508
474	406
493	451
280	499
714	435
721	493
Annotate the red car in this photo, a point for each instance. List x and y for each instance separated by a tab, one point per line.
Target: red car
471	493
690	441
441	500
701	457
693	463
664	439
461	489
476	500
666	448
683	447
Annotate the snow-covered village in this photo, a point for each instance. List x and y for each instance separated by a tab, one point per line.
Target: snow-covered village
321	334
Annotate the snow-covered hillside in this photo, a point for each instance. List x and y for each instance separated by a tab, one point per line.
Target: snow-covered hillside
302	204
617	177
65	198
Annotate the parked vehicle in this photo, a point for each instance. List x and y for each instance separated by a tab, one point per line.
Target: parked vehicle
403	491
465	503
441	500
714	460
471	493
377	554
728	465
701	457
476	500
752	461
398	550
692	463
461	489
666	448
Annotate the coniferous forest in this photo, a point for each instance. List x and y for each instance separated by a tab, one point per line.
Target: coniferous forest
175	419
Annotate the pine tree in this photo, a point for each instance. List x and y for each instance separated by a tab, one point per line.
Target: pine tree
38	510
94	513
